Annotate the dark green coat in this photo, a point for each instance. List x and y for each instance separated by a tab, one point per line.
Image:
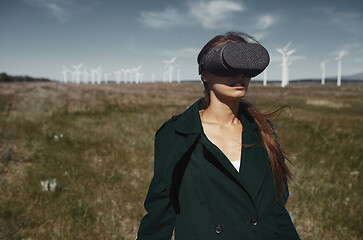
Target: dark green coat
197	191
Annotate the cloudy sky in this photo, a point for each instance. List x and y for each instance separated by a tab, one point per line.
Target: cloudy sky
38	37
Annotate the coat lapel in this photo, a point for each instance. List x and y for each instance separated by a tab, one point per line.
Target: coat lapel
215	156
254	156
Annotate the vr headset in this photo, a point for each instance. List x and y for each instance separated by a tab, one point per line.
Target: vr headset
233	58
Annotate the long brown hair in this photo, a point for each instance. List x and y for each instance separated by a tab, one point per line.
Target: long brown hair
264	126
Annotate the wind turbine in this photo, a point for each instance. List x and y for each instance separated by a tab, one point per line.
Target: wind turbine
285	64
85	75
99	74
127	72
137	73
265	77
153	77
322	65
77	73
339	59
118	76
64	72
178	73
132	74
93	74
168	65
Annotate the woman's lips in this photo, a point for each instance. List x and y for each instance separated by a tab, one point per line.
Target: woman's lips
238	84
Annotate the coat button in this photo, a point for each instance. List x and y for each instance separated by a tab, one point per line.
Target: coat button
254	221
218	229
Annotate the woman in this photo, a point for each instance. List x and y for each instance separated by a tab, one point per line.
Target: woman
218	170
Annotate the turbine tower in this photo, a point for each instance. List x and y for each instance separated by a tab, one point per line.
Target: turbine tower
178	73
265	77
118	76
105	75
93	75
64	72
137	73
127	72
85	75
168	65
285	64
322	65
132	74
99	74
339	59
153	77
77	72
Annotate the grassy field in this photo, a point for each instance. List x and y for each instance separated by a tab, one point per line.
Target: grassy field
96	141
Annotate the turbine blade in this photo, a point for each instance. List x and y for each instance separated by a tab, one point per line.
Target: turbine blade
287	46
290	52
341	54
280	51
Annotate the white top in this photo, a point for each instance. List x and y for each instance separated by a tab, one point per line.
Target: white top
236	164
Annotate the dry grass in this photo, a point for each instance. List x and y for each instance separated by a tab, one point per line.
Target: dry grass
97	142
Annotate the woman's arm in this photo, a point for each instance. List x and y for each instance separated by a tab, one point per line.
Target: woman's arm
159	221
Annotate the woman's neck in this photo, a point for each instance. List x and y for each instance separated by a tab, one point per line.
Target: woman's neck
221	111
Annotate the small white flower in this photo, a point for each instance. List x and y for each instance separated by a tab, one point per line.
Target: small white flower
44	185
56	137
52	185
347	200
49	185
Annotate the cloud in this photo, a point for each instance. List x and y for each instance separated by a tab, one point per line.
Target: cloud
214	14
187	52
353	48
265	21
338	16
347	21
168	18
208	13
62	10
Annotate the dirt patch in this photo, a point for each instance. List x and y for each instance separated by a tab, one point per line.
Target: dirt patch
326	103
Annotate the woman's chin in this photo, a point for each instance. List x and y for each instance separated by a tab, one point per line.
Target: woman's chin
231	97
239	93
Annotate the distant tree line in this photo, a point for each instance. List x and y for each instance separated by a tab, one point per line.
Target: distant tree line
7	78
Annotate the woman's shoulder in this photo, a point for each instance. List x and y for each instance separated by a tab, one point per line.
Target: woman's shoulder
183	122
168	126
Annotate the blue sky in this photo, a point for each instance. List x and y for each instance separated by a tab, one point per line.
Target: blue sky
38	37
